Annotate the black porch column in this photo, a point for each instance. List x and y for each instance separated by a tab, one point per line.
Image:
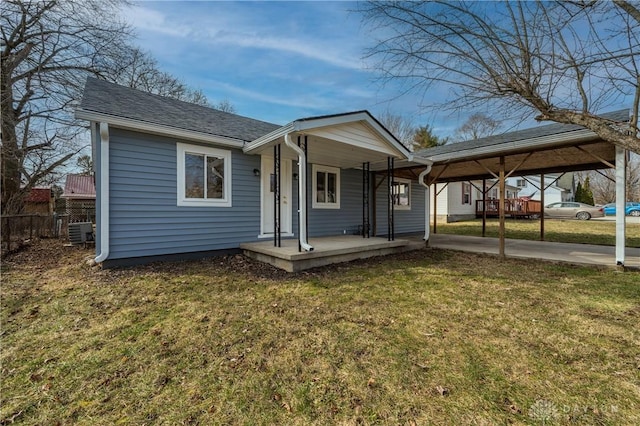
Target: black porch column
366	210
276	196
390	199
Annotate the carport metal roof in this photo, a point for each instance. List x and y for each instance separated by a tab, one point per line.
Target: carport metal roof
546	149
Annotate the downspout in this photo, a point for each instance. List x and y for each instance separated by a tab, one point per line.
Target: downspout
427	197
302	192
104	193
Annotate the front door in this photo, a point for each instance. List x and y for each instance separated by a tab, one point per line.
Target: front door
266	196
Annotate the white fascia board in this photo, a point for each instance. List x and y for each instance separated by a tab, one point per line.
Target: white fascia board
500	148
268	138
303	125
158	129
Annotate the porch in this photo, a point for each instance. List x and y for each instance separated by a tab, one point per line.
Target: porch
327	250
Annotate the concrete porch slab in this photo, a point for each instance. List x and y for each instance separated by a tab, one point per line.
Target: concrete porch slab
327	251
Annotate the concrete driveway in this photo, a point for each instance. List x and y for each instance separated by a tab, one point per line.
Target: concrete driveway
580	254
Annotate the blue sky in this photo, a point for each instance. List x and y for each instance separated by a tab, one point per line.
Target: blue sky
275	61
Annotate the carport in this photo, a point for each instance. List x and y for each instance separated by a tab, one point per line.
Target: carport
554	148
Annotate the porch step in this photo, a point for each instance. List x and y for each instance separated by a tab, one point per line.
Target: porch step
327	251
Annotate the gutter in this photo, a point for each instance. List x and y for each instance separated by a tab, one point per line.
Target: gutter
427	197
302	192
158	129
104	194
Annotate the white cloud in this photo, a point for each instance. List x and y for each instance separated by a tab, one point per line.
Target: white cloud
152	20
232	30
296	102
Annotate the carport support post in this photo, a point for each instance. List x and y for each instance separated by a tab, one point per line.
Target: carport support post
542	188
621	201
484	207
435	208
501	208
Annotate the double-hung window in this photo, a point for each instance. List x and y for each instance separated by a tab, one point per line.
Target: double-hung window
401	193
204	176
326	187
466	193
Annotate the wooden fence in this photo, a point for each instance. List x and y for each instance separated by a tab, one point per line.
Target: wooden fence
17	229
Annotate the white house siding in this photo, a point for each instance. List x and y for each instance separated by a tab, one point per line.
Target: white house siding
449	204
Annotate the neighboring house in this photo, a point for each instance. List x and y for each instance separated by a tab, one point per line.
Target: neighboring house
557	190
458	200
39	201
175	179
80	198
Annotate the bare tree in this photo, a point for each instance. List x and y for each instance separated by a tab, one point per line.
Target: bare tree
85	164
603	184
48	48
226	106
565	61
139	70
399	126
479	125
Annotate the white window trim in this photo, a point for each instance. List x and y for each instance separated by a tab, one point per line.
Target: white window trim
408	182
315	168
462	187
181	150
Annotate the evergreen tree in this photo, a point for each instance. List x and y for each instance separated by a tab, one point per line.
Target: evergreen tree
587	195
579	193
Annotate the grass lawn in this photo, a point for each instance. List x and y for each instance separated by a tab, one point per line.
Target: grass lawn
556	230
429	337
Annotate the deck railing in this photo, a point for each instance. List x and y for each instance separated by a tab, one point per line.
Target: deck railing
513	207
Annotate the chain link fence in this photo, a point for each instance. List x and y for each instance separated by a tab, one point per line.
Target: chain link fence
18	229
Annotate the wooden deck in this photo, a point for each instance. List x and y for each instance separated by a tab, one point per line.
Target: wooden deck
327	250
513	207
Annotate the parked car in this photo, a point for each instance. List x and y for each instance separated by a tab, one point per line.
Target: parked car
570	210
631	209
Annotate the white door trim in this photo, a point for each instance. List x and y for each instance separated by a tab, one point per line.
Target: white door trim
286	199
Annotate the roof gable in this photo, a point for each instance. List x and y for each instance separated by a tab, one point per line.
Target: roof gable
359	129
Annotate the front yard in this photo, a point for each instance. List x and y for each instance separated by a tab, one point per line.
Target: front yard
429	337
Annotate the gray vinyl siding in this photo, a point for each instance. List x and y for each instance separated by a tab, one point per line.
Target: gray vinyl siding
325	222
406	221
145	219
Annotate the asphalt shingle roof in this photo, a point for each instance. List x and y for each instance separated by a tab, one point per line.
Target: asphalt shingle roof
532	133
108	98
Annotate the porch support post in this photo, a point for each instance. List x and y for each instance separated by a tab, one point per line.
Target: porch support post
390	200
542	188
484	207
306	188
501	207
366	209
427	199
621	201
302	192
276	196
435	208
